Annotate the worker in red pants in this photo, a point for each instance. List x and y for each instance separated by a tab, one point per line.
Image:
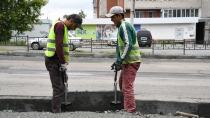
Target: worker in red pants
128	56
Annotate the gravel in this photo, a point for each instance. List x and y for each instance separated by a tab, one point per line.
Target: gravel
80	114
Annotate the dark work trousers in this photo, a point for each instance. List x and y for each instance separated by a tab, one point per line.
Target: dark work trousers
126	85
52	66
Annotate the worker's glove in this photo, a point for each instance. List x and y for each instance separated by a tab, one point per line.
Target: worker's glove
117	66
63	67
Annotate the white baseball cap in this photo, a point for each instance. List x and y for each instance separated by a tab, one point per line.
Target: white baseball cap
115	10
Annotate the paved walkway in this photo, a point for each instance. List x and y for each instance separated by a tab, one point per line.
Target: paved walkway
144	50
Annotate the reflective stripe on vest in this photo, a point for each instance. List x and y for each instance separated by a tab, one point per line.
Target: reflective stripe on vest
134	55
51	44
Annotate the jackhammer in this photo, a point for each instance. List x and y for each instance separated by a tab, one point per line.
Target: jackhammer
65	82
115	87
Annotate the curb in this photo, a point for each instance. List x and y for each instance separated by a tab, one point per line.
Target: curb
100	101
30	54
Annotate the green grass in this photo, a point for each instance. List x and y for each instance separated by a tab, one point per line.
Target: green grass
106	52
167	42
80	52
20	43
5	50
145	53
88	52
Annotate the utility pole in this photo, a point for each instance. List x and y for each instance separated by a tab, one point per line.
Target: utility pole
132	11
48	13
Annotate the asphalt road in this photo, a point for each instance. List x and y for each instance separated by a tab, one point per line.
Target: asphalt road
165	80
168	80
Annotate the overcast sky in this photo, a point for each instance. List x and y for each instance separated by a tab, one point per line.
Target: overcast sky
57	8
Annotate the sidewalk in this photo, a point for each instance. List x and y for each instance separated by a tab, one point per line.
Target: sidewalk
99	53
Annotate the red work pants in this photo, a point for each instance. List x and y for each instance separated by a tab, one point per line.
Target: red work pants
126	84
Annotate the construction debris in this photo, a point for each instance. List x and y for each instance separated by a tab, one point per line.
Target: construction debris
178	113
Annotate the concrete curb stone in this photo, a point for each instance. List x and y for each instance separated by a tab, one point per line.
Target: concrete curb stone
30	54
91	101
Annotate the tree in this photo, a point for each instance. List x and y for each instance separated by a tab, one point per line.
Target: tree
65	16
19	15
82	14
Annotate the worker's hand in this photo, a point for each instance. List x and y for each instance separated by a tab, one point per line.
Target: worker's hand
67	63
117	66
113	66
63	67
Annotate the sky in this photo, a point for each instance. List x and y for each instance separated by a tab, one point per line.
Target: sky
58	8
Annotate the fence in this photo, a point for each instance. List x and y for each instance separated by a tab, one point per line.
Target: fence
14	40
103	44
180	45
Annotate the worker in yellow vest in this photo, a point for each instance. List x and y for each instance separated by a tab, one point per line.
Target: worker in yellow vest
57	55
128	56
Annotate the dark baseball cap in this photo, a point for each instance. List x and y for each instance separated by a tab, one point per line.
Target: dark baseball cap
77	19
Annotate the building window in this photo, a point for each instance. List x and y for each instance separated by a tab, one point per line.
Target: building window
187	13
165	13
174	13
196	12
192	13
169	13
139	14
181	13
178	13
150	14
143	0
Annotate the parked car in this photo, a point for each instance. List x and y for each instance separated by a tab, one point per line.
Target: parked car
75	42
144	38
40	43
112	39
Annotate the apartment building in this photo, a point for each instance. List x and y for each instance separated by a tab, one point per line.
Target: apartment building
101	7
204	22
164	8
205	9
176	9
157	16
151	8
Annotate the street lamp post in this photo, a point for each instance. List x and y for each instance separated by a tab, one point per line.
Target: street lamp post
132	11
48	13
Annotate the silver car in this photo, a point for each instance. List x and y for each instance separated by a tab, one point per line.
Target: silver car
40	43
112	39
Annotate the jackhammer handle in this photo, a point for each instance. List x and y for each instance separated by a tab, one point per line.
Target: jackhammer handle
65	76
115	76
112	67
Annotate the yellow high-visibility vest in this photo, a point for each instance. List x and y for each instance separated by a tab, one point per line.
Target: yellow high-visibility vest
134	55
51	45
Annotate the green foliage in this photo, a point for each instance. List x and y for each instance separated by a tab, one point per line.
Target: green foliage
65	16
21	43
17	43
82	14
19	15
5	50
